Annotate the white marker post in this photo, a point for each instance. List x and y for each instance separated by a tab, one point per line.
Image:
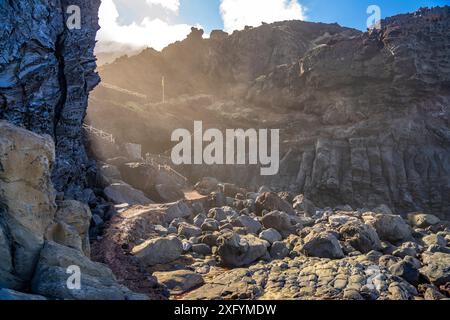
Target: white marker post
163	90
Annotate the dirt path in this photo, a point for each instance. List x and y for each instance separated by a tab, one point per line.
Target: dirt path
193	195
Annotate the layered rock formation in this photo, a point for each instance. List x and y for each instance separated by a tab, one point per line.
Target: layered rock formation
363	116
46	73
44	241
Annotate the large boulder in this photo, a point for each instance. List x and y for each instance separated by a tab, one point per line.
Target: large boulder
188	231
74	215
207	185
139	176
27	200
436	267
250	224
107	174
158	251
176	210
180	281
406	271
11	295
360	236
279	221
305	205
169	192
390	227
155	183
58	263
270	201
121	192
279	250
231	190
271	235
421	220
237	251
322	245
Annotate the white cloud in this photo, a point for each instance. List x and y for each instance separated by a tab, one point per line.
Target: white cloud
154	33
173	5
237	14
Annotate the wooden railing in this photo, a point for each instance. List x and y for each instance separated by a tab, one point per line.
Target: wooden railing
99	133
160	162
157	160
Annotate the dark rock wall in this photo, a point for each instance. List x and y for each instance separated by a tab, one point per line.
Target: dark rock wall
364	116
381	102
46	73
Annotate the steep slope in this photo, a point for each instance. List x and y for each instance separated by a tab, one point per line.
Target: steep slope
221	63
364	118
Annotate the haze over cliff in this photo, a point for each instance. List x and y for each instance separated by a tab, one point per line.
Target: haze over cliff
363	116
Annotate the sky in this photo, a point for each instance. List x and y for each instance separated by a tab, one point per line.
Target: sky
157	23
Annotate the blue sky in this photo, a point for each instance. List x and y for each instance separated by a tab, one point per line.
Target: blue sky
157	23
348	13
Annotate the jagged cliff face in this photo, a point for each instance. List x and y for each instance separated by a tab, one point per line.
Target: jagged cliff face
380	107
363	116
46	74
222	64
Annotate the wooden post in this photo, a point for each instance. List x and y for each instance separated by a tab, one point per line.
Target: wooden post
163	90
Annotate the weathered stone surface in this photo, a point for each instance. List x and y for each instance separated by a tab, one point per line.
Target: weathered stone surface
434	239
360	236
279	221
139	176
107	174
27	198
120	193
179	282
7	277
391	228
176	210
51	276
210	225
236	251
11	295
322	245
270	235
305	278
156	183
303	204
207	185
169	191
279	250
270	201
406	271
78	216
188	231
436	268
159	250
252	225
202	249
421	220
47	71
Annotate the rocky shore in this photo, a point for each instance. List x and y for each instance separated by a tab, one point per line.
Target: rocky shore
234	244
